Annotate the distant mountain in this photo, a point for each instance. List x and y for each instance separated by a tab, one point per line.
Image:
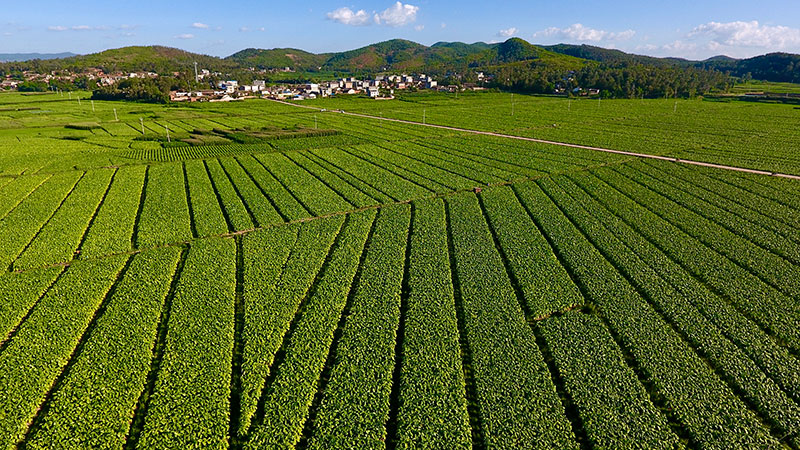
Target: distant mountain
780	67
611	56
153	58
278	58
402	55
398	54
406	56
9	57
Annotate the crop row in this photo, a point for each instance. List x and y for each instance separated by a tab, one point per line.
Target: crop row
272	296
355	405
19	292
113	226
614	407
704	405
690	217
544	283
189	406
16	190
23	222
43	344
762	348
755	210
347	191
678	308
756	299
94	404
650	126
518	403
296	381
60	237
432	399
251	191
165	215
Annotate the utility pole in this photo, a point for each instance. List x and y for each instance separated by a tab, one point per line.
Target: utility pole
512	104
79	101
315	121
569	105
92	105
674	110
70	95
141	122
196	78
115	115
167	128
423	117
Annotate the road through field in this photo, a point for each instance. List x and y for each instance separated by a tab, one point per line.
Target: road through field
563	144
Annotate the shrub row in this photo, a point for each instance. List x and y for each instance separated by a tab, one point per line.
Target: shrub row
190	405
46	340
705	406
517	400
95	403
112	229
296	382
57	240
433	407
355	406
271	305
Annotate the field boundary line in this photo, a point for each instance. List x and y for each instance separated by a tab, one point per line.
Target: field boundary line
562	144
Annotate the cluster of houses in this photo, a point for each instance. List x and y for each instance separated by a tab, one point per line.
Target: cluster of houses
381	87
102	78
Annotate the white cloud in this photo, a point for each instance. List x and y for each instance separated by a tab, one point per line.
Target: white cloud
419	27
747	34
579	32
680	47
443	25
398	15
185	36
262	29
200	25
81	27
244	29
508	32
347	16
57	28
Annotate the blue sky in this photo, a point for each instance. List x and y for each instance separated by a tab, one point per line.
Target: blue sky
691	29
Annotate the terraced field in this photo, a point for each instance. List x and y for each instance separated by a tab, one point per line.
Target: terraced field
389	286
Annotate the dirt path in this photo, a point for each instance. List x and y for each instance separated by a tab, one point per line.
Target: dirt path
562	144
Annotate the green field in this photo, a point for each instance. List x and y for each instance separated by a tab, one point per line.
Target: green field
389	285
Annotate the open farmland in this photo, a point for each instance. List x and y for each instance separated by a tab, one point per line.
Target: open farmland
283	277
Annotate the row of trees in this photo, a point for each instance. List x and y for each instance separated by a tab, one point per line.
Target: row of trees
618	82
151	90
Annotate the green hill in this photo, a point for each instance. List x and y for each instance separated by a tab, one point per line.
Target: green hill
402	55
278	58
154	58
776	67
